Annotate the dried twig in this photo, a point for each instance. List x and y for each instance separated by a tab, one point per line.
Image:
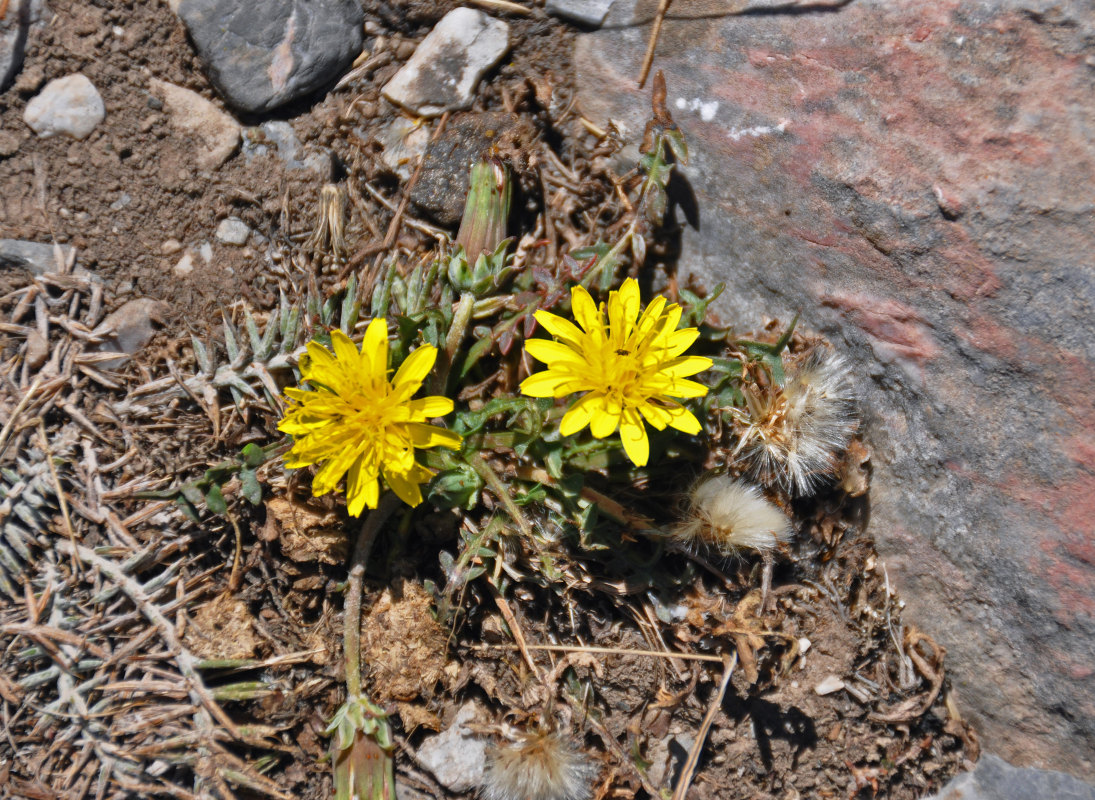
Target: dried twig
689	768
652	42
611	651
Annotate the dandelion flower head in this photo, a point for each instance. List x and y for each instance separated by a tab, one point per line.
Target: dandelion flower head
356	423
629	364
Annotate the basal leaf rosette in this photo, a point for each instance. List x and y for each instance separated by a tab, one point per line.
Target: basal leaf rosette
628	363
355	422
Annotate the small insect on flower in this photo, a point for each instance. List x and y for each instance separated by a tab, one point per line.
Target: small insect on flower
357	423
793	435
537	766
630	365
729	515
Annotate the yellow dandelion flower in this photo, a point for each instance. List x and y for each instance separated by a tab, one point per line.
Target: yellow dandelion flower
630	365
357	423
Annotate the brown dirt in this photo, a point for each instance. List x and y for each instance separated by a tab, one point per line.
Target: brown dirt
118	196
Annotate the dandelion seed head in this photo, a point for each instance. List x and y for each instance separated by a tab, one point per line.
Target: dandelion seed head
794	435
730	515
537	766
628	363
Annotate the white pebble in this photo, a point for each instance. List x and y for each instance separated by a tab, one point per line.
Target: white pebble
828	685
69	105
233	231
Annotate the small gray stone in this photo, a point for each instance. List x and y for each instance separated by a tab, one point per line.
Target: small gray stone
286	146
282	135
69	105
215	133
447	66
233	231
456	756
996	779
36	257
15	28
264	55
586	12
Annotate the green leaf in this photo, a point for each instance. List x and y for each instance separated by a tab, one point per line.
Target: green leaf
192	493
457	487
475	352
553	462
675	140
214	500
250	487
253	455
188	509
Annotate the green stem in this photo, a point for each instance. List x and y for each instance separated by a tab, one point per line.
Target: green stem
460	319
491	478
352	616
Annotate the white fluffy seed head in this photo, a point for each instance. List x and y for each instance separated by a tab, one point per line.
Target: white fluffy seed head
794	435
729	515
537	766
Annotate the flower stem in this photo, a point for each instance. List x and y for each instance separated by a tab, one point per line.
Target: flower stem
491	478
460	319
352	617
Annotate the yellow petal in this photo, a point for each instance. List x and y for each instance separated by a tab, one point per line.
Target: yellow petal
585	310
345	350
683	420
374	348
623	310
557	326
544	384
331	472
679	387
684	366
605	419
579	414
633	435
551	352
423	436
429	407
362	489
679	341
406	484
414	370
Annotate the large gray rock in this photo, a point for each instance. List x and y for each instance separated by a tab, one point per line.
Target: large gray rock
995	779
916	179
263	55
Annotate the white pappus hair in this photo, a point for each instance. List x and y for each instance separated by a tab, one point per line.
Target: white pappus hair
729	515
537	766
793	436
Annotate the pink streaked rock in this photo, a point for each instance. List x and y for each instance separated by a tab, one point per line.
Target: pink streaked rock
916	179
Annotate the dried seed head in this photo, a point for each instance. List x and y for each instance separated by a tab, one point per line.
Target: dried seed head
728	515
794	434
537	766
